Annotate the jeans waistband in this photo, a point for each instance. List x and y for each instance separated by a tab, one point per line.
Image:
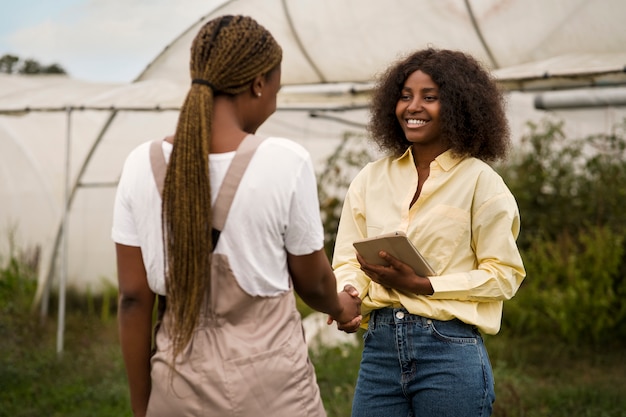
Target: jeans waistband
400	315
391	315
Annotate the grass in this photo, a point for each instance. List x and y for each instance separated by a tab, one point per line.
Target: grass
534	378
87	380
548	378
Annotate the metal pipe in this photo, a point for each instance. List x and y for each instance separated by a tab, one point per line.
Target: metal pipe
581	98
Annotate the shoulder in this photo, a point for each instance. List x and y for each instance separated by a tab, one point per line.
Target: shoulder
137	164
379	167
283	155
478	167
489	183
285	146
139	153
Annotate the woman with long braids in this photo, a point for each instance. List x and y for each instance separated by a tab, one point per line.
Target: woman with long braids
440	118
223	258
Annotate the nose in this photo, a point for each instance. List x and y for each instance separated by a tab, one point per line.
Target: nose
415	105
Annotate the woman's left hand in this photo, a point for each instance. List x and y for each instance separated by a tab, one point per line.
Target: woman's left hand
397	275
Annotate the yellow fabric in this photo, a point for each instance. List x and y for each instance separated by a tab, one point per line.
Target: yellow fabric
465	223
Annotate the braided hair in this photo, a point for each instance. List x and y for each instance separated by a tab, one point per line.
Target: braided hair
226	56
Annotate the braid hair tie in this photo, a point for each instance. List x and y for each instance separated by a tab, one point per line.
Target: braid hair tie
204	82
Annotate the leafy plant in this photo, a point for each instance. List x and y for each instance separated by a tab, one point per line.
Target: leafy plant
574	290
563	184
18	279
571	194
350	156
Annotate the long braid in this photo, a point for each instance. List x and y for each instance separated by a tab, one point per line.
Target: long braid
227	54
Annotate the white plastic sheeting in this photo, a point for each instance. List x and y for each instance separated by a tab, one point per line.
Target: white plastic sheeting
530	44
328	41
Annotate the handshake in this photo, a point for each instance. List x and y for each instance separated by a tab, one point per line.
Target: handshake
349	319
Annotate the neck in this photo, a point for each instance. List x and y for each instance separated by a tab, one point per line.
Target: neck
424	155
227	132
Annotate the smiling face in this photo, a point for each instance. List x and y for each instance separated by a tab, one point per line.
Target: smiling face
418	110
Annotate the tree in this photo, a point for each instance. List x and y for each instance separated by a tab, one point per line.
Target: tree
30	66
11	64
7	63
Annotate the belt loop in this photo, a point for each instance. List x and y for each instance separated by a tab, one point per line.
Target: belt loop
371	325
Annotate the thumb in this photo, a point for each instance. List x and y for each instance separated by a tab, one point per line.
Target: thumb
351	290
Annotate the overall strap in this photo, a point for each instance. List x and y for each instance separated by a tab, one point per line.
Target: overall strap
235	171
158	164
227	191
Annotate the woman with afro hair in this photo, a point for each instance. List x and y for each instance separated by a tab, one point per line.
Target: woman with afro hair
439	117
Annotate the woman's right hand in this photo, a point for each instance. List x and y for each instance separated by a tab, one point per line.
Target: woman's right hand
350	318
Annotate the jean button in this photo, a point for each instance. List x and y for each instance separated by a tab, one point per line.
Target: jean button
399	315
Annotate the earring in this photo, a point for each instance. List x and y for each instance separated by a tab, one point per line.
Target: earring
258	94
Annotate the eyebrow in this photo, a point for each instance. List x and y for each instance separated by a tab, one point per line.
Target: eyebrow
423	90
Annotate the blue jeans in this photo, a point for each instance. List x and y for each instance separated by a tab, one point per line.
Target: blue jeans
413	366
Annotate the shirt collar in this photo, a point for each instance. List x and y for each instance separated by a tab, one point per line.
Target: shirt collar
446	160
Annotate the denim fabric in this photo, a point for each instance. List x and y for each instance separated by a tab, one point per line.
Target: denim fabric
413	366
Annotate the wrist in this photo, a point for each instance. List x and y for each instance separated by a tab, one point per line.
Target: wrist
422	286
426	286
339	308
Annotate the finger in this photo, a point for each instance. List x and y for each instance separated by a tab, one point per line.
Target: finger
350	329
354	323
394	262
362	261
389	258
351	290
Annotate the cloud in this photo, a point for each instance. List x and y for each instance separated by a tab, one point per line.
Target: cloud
108	40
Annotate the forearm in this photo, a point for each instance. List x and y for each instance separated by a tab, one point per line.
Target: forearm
320	292
135	330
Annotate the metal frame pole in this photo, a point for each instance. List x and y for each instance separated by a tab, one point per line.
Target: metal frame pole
64	251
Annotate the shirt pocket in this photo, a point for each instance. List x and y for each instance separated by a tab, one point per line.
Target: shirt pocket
447	230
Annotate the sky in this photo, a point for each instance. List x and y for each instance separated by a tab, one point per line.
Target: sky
96	40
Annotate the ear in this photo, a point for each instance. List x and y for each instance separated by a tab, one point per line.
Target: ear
257	85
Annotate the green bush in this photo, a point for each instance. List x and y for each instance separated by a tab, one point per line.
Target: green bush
574	288
565	184
340	167
571	194
18	283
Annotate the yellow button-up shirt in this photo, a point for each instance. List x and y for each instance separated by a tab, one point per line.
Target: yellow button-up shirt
465	223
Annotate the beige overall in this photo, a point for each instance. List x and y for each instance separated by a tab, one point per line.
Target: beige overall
248	356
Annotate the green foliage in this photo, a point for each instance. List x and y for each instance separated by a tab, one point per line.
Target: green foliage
574	290
571	194
336	370
339	169
11	64
88	379
563	184
8	63
539	378
18	279
17	286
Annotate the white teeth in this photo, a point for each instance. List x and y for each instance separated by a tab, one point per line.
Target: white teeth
415	122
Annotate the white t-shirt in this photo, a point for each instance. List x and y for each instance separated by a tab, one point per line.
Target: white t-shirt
275	211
